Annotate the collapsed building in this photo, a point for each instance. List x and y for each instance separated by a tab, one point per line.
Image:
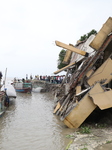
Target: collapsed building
90	77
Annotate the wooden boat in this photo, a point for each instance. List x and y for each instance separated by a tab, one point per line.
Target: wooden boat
23	87
2	103
5	101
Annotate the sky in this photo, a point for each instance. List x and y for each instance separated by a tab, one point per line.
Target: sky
29	29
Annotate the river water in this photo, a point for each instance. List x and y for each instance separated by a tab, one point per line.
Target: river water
29	124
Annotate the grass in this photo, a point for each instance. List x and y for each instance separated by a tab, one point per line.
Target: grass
85	130
69	145
84	148
102	125
107	142
69	136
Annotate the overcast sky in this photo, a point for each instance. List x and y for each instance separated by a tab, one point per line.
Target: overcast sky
29	28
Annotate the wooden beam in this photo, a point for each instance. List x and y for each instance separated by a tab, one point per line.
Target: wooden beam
78	89
66	67
57	107
67	57
102	34
71	48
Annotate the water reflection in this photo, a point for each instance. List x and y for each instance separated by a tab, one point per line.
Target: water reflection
29	124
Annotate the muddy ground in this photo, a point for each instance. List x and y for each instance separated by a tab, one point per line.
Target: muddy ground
98	139
95	133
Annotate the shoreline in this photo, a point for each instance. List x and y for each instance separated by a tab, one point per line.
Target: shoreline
100	137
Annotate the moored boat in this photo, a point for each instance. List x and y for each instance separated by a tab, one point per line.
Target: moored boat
23	87
9	90
2	103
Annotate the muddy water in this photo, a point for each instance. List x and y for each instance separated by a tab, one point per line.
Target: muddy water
29	124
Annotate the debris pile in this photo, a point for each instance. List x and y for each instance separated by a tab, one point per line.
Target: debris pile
90	73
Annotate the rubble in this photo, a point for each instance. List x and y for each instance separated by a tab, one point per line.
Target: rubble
90	72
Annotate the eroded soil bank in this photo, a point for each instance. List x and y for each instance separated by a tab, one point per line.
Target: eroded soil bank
97	139
95	133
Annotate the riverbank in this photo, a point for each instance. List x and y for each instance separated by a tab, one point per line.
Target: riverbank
97	138
96	135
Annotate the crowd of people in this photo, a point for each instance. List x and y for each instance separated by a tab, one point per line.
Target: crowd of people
52	79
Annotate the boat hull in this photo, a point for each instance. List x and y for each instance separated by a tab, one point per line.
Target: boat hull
23	87
24	90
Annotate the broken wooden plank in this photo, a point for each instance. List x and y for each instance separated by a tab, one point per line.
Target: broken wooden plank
67	57
64	68
83	109
104	72
103	100
64	102
71	48
102	34
78	89
57	107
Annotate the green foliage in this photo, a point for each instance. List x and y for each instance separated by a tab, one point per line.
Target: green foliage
69	136
84	148
107	142
69	145
61	58
63	52
86	36
85	130
101	125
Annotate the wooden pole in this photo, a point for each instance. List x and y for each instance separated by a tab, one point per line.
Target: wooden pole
5	77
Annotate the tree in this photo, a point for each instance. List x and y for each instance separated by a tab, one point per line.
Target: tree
86	36
61	58
63	52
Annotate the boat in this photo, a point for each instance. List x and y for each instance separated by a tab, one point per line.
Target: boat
23	87
7	94
2	103
9	90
